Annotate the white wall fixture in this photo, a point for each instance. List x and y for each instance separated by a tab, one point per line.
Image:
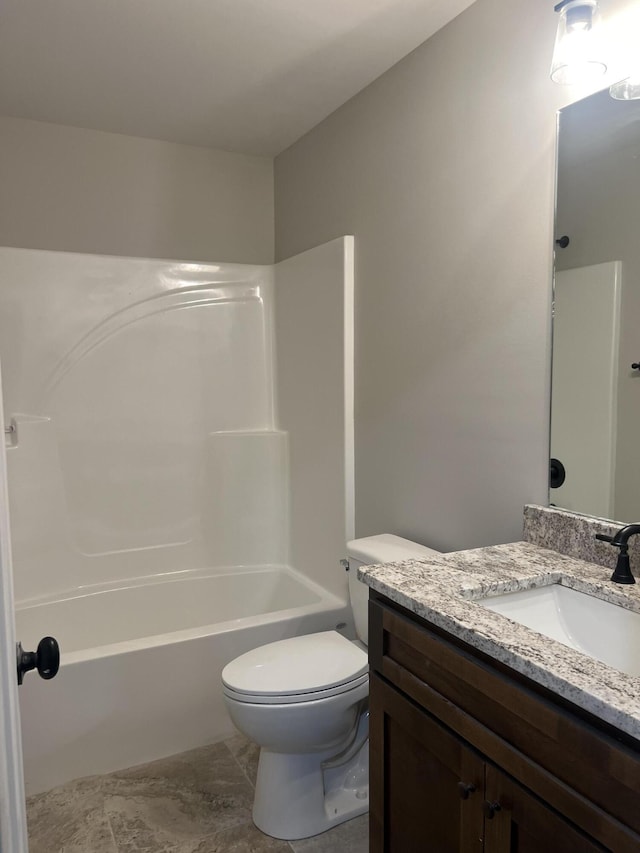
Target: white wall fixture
167	516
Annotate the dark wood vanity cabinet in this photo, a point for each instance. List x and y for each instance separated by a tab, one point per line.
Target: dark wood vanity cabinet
422	768
439	795
468	757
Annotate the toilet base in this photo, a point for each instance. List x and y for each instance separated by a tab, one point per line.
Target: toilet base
297	797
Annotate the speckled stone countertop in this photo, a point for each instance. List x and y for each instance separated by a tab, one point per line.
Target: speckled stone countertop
444	590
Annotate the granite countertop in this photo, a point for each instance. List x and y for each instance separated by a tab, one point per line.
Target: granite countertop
444	590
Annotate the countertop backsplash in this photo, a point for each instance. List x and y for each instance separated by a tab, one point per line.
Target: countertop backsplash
575	535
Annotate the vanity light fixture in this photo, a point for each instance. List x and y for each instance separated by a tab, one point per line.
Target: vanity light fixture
578	53
627	90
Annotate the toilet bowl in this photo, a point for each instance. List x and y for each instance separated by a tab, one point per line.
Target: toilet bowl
304	702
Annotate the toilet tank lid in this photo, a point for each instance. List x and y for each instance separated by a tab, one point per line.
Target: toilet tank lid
386	548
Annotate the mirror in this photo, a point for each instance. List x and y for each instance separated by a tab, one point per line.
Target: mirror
595	399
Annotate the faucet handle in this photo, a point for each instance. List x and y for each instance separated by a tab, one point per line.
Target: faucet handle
603	537
622	572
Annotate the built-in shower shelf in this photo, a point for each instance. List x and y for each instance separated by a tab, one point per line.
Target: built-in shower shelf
16	426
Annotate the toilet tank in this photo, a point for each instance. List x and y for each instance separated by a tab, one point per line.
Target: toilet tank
384	548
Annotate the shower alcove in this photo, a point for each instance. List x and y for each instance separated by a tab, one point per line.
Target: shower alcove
180	485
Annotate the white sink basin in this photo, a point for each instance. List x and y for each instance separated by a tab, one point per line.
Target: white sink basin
597	628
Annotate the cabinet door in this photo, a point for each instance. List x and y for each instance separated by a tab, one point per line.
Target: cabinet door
518	822
426	784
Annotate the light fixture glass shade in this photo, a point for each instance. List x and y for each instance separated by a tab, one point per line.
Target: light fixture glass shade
579	55
626	90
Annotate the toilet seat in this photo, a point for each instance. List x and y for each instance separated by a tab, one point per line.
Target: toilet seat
300	669
293	698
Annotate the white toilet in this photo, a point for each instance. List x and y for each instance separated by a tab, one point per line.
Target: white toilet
304	702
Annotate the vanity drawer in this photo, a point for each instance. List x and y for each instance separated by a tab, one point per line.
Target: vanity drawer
589	776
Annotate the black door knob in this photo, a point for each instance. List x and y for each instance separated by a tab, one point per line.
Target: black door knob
491	809
557	473
465	789
46	659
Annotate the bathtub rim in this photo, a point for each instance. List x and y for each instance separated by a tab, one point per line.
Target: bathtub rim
327	601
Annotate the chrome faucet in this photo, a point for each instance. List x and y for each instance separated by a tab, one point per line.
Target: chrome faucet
622	572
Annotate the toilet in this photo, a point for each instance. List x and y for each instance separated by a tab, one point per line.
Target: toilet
304	701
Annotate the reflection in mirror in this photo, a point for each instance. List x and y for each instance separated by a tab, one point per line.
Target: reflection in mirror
595	402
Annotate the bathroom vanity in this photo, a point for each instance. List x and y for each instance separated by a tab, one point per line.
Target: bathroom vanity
485	734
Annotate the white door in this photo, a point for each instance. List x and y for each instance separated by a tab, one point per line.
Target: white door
13	829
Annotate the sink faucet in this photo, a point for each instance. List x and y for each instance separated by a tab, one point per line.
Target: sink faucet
622	572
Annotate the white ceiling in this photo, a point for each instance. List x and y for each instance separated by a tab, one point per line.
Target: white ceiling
242	75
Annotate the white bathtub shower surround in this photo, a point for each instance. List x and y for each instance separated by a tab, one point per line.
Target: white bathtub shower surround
161	485
118	373
314	338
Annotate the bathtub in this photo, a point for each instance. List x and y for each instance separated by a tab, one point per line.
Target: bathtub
141	663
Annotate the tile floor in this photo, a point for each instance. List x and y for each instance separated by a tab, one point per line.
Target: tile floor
196	802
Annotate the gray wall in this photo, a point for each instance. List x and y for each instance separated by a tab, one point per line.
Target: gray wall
443	169
75	190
